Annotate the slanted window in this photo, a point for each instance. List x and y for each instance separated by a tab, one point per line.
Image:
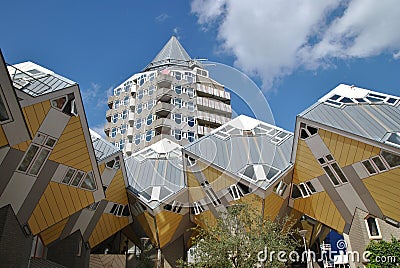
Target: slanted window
37	154
379	163
394	139
89	182
369	167
77	179
113	164
393	160
198	208
296	193
174	207
307	131
191	161
59	103
4	112
235	192
280	188
332	170
68	176
373	228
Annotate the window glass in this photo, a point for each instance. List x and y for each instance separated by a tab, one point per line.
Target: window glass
89	183
190	106
139	108
140	94
373	227
78	177
190	121
149	135
124	114
118	91
394	138
178	134
29	155
151	89
149	119
39	161
369	167
339	172
392	159
50	142
178	76
3	111
123	128
113	132
190	92
115	118
331	176
126	100
59	103
116	104
68	176
178	103
137	139
150	105
110	164
378	162
178	118
121	144
191	136
296	192
138	123
178	90
151	77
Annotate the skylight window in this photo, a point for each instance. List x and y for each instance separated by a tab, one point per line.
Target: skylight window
394	139
372	98
261	172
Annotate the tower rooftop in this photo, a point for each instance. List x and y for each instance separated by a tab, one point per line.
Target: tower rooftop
172	53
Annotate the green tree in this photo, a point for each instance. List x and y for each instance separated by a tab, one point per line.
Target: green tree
237	238
384	254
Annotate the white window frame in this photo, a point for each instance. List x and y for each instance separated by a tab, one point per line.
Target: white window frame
377	237
198	208
281	188
40	141
236	193
329	164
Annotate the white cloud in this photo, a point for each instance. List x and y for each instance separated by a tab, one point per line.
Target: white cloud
94	96
162	17
273	38
177	31
99	129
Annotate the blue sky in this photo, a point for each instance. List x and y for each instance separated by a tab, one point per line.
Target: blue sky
296	51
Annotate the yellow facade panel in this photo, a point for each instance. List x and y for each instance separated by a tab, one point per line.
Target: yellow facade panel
116	192
53	233
33	225
385	188
23	146
147	223
67	199
272	206
59	199
306	166
167	223
205	219
195	194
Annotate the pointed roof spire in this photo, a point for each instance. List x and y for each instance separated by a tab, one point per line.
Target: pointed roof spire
172	53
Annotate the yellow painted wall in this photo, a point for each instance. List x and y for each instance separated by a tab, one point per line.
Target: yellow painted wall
345	150
320	207
272	205
58	202
167	223
53	233
35	114
116	192
204	219
385	189
107	225
71	149
306	166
